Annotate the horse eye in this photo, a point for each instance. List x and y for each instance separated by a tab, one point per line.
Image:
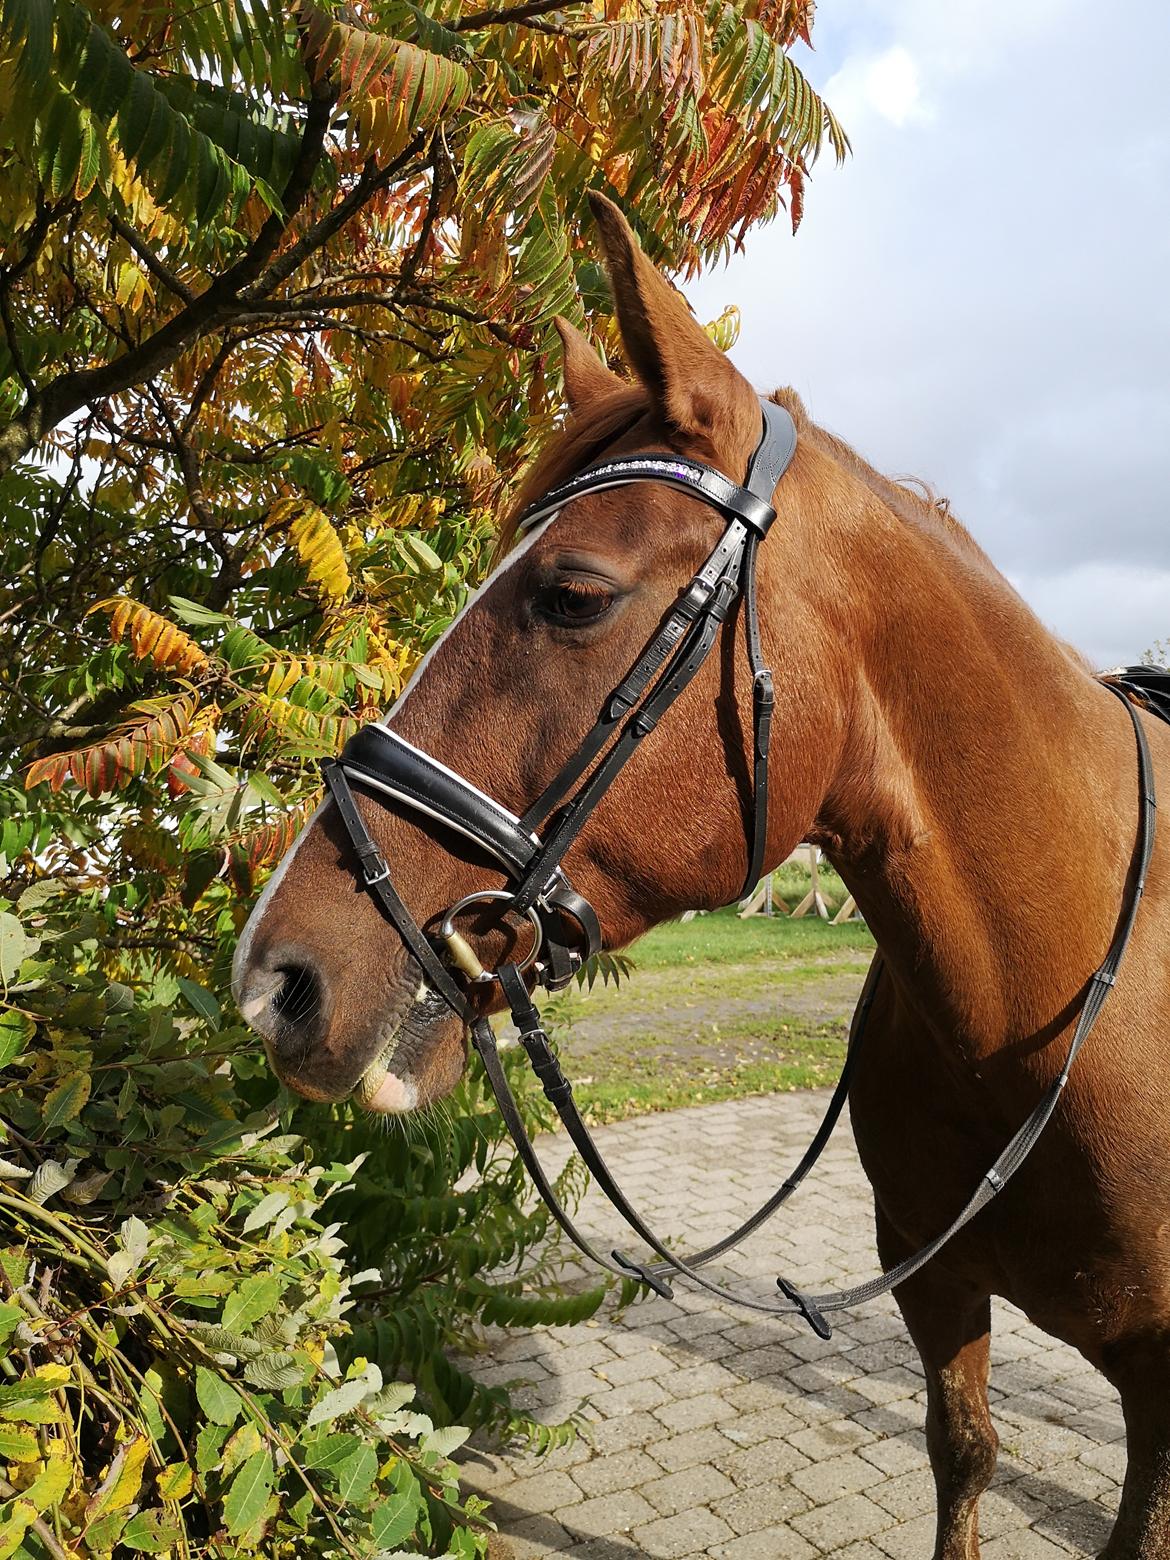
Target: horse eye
576	602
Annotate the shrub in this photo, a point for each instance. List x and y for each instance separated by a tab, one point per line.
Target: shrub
188	1365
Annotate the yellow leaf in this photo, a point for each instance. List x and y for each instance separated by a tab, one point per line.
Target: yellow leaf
17	1446
282	677
50	1485
15	1526
129	1478
53	1373
316	543
175	1481
240	1447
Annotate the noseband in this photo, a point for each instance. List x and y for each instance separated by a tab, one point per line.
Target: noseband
562	925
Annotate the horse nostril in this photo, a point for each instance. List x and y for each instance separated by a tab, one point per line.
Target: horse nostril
297	1000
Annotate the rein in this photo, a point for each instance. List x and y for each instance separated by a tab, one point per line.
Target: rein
564	927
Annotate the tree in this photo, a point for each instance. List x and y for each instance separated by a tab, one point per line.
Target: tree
276	293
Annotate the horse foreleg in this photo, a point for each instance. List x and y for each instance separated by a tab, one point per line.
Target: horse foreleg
950	1324
1140	1370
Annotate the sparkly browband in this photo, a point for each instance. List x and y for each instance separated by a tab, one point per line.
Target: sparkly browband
737	503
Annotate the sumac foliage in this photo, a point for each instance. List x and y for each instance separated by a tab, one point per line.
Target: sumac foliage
276	292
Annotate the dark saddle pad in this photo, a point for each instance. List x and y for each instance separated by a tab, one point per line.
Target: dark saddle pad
1148	686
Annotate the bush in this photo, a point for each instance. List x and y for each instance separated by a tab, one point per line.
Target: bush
189	1367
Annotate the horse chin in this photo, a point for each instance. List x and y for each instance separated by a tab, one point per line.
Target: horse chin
421	1061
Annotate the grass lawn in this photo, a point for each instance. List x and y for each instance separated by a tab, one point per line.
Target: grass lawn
716	1008
722	938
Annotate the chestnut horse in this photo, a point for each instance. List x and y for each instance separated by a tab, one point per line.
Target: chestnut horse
972	782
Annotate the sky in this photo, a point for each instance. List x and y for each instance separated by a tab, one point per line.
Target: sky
980	296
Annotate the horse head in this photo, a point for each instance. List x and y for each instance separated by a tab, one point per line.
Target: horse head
512	688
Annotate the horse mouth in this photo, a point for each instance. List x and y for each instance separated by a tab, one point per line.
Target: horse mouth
379	1089
389	1086
384	1093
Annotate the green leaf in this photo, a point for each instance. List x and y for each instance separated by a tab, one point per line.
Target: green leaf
356	1475
11	1317
344	1399
90	158
394	1520
31	1401
201	1000
330	1452
443	1442
16	1030
420	552
65	1101
247	1496
209	1447
195	615
224	1342
119	998
275	1372
218	1400
267	1209
15	947
151	1532
256	1297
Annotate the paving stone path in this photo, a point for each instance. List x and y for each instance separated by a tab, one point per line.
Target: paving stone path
713	1432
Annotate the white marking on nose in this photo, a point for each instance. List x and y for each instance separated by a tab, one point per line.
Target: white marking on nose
394	1096
252	1009
497	573
243	952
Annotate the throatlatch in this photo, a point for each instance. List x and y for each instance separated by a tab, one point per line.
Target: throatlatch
564	926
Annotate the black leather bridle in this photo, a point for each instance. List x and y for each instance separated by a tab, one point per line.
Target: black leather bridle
564	927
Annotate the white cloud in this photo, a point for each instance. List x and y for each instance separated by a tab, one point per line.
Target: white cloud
979	295
885	84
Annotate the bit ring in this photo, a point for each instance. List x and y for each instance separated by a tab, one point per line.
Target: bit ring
461	951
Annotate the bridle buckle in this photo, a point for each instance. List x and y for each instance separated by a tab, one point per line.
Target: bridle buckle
375	869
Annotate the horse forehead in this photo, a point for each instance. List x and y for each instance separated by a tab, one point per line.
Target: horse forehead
633	521
643	523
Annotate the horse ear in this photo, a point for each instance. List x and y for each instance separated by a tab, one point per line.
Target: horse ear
696	387
586	376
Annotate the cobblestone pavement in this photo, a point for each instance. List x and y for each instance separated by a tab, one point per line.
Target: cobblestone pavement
716	1433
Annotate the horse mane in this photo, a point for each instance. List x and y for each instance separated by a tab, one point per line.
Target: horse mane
910	498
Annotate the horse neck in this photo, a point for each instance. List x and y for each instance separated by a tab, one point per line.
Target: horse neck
984	808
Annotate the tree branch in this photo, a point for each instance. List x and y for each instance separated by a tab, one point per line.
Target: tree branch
70	391
437	305
511	13
190	468
369	183
38	231
150	260
441	176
